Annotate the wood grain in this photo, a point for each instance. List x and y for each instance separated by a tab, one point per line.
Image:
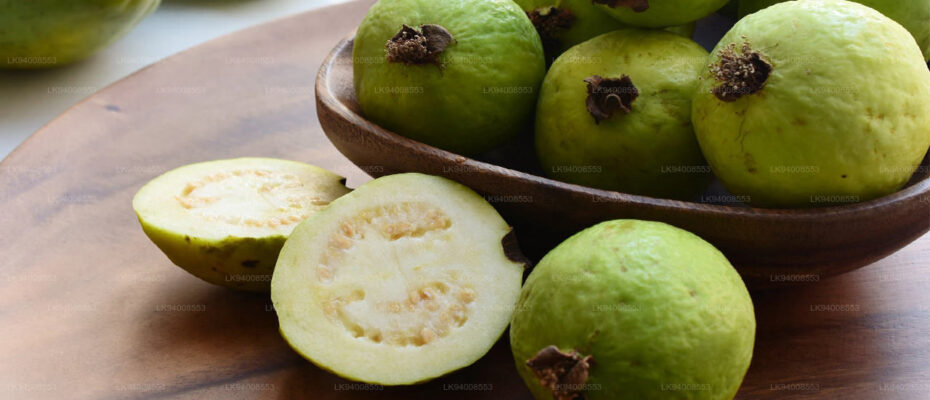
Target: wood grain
90	309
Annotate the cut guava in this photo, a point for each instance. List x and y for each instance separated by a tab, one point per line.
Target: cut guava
407	278
225	221
631	309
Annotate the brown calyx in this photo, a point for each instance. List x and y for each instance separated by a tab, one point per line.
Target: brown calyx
635	5
608	96
564	374
417	47
739	73
548	22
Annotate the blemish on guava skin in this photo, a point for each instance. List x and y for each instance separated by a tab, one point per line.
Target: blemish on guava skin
739	72
562	373
635	5
418	47
608	96
187	238
250	263
549	21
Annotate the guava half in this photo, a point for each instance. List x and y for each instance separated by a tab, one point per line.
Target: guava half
814	103
564	23
914	15
407	278
631	309
225	221
459	75
659	13
615	113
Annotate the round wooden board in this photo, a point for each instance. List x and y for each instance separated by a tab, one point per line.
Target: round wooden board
90	309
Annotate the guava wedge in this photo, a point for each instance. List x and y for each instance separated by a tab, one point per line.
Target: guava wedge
403	280
225	221
632	309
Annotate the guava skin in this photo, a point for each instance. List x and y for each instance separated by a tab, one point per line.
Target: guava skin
642	152
239	263
656	307
589	21
664	13
480	93
914	15
48	33
843	116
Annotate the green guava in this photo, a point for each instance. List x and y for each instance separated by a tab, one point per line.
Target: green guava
564	23
225	221
809	103
631	309
461	76
407	278
914	15
615	113
659	13
48	33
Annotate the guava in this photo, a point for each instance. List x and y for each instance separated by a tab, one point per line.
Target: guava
631	309
461	76
407	278
225	221
659	13
914	15
48	33
810	103
564	23
615	113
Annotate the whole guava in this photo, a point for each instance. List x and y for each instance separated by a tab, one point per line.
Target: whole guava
914	15
615	113
564	23
631	309
48	33
659	13
816	102
460	75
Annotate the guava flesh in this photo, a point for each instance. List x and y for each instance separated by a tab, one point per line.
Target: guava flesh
914	15
48	33
402	280
643	143
814	103
476	94
659	13
225	221
631	309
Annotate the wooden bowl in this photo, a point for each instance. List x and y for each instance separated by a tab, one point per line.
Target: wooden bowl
769	247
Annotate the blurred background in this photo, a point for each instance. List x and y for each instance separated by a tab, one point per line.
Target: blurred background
31	98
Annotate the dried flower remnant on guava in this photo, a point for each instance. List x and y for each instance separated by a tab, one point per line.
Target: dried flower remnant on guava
739	74
563	373
635	5
548	22
413	47
607	96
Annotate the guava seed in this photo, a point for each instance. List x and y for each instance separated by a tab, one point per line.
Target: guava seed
563	373
548	22
413	47
635	5
739	74
607	96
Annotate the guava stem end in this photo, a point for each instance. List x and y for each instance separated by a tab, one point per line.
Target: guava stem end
739	72
563	373
417	47
608	96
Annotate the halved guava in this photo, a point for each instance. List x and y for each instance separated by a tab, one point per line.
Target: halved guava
225	221
403	280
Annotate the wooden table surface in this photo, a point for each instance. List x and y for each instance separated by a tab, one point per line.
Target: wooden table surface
90	309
